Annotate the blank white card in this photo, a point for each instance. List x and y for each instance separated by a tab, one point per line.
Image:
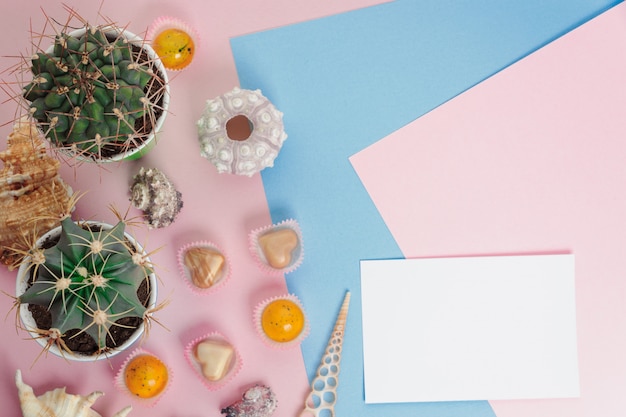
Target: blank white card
473	328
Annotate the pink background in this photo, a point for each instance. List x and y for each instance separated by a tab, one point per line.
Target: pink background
530	161
220	208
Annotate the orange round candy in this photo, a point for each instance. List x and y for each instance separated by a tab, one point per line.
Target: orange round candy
145	376
282	320
175	47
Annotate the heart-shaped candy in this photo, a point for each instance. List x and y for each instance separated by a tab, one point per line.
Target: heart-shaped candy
278	246
215	358
205	266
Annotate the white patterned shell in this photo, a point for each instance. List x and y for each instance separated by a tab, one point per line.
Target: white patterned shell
323	396
247	156
57	402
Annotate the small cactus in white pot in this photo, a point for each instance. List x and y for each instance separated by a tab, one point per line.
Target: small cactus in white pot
100	93
93	287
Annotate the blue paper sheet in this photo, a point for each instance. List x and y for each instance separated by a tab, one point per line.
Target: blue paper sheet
346	81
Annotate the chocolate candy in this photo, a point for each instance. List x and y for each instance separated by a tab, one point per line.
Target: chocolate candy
204	265
215	358
145	376
278	246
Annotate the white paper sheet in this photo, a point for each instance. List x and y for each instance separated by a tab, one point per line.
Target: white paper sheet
473	328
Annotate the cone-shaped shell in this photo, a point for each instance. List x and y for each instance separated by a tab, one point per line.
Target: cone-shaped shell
58	403
30	188
323	396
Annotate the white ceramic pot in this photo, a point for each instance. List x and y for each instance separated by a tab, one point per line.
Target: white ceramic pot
28	321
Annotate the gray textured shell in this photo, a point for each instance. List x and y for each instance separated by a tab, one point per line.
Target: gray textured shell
153	192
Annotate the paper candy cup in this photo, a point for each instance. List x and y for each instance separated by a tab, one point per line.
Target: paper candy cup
296	255
178	49
284	320
120	381
186	273
233	369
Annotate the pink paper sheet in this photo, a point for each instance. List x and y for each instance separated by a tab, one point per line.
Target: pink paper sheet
530	161
220	208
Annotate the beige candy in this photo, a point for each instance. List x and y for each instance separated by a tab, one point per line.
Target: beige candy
215	358
278	246
205	266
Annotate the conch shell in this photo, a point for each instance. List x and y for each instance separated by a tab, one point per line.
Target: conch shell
31	191
58	403
323	396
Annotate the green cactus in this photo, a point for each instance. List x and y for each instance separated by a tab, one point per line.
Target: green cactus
96	93
87	282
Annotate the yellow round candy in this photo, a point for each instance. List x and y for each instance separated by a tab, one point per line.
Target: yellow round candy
282	320
175	48
145	376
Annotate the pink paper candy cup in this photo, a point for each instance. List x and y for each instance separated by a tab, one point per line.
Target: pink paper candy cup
278	249
144	378
214	360
281	322
204	266
174	41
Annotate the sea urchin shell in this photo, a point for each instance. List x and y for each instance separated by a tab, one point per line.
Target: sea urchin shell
249	150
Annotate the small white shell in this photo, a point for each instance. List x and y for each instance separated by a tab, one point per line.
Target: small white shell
58	403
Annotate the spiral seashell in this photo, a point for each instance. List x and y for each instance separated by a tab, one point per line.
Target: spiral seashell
323	396
140	196
58	403
152	192
30	188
